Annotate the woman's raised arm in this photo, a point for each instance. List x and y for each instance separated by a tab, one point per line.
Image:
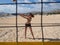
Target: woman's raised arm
22	15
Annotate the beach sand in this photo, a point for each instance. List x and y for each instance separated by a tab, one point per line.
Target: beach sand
51	28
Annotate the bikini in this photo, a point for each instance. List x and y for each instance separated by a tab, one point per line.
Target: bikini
28	25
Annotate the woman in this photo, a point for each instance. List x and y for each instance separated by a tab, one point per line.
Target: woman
28	23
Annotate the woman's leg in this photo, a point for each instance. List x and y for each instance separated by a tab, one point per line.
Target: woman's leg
32	32
25	31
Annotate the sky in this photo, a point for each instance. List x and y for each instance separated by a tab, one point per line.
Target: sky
24	8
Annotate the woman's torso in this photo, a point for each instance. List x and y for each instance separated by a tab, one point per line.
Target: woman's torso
28	20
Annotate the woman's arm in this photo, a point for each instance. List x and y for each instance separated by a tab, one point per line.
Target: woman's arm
22	15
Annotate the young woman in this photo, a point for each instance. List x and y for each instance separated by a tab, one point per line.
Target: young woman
28	23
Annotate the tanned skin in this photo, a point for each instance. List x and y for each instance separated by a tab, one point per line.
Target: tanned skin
29	19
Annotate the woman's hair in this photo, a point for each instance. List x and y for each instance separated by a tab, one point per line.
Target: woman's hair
31	15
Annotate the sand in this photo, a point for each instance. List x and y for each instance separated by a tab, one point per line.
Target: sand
51	28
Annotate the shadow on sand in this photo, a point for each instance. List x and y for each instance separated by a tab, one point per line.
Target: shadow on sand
49	39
